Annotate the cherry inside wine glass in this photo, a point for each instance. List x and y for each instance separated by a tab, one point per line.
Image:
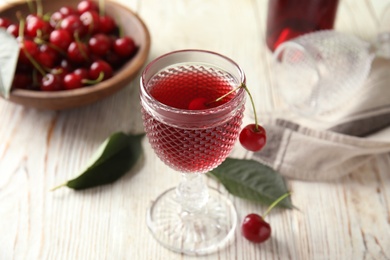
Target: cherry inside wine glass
192	218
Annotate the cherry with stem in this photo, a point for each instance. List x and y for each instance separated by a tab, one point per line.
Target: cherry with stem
253	136
255	228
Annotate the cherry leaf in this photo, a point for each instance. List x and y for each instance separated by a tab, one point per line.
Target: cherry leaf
249	179
115	157
9	52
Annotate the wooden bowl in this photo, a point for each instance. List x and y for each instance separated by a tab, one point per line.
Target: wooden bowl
58	100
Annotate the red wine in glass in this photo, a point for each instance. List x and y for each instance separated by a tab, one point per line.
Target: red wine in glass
288	19
184	149
192	218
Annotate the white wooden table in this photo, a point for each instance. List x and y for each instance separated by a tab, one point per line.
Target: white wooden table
343	219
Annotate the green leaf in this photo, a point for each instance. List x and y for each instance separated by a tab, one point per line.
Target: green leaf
9	53
249	179
115	156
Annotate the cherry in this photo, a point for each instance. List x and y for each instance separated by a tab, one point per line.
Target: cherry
4	22
99	67
107	24
47	56
124	46
87	5
27	48
91	21
13	29
73	25
100	44
78	52
73	81
253	137
63	12
83	72
61	38
36	26
198	104
51	82
77	79
255	228
67	10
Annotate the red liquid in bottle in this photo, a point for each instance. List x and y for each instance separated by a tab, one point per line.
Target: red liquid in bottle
288	19
191	150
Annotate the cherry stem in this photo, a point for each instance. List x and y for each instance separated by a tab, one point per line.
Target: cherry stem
34	63
39	8
78	41
22	24
30	7
250	97
29	57
92	82
227	94
253	105
275	203
121	32
40	41
101	7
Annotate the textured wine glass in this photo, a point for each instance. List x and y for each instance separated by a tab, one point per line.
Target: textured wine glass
192	218
317	72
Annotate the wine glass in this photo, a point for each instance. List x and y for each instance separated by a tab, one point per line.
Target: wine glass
192	218
320	71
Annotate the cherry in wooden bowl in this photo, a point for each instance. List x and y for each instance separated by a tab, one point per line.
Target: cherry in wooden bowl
131	24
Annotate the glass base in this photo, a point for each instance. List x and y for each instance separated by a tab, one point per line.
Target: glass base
199	233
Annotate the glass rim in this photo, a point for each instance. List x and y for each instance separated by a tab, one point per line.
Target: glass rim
208	111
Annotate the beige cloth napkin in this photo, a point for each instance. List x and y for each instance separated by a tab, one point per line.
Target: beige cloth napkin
338	143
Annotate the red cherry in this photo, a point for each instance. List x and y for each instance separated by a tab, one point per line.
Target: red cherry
36	26
73	81
32	50
51	82
91	21
252	138
61	38
86	5
107	24
198	104
255	228
4	22
47	57
67	10
63	12
124	46
100	44
82	72
78	52
100	66
73	25
55	19
13	29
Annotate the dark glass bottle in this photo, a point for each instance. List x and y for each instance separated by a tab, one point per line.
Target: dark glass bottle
290	18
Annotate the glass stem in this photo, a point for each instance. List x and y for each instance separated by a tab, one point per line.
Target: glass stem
192	192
